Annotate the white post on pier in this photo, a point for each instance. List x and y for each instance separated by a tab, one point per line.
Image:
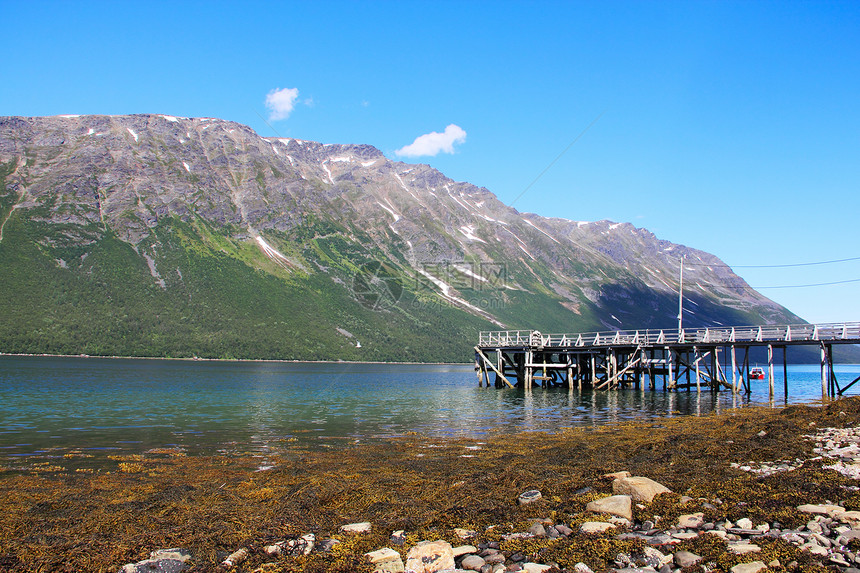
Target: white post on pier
698	377
670	367
770	370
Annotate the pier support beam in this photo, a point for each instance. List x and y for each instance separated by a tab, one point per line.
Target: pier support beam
734	371
491	365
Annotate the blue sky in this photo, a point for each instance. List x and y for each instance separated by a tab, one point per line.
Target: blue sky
731	127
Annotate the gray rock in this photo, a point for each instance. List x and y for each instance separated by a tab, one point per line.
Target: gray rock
744	532
155	566
161	561
753	567
821	540
385	560
538	530
686	558
530	496
398	537
691	521
638	488
362	527
430	556
595	527
462	550
620	505
848	536
326	545
535	567
472	563
655	558
177	553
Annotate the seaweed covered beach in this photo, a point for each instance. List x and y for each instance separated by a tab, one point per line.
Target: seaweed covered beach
773	489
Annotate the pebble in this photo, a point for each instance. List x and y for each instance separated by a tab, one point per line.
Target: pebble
464	550
691	521
430	557
465	533
235	558
399	537
620	505
535	567
638	488
160	561
753	567
530	496
385	560
361	527
743	547
595	527
472	563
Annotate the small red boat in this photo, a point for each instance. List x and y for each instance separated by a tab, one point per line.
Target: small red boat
757	373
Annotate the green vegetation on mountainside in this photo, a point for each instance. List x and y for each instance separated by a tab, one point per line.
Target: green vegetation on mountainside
213	305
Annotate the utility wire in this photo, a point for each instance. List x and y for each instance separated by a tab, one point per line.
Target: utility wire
735	287
775	267
771	266
551	163
812	285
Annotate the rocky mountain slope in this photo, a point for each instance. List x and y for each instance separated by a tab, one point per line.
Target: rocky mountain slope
159	235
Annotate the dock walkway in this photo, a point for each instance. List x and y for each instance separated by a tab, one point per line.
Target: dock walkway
710	358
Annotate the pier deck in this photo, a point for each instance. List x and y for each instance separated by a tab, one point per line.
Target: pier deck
709	358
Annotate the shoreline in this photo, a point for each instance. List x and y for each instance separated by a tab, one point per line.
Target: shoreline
212	506
292	361
197	359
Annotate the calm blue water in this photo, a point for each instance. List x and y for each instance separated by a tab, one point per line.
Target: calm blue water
53	406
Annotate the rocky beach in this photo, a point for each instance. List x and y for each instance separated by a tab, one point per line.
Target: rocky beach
755	489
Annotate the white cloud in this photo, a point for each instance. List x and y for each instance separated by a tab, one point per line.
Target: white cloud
281	102
433	143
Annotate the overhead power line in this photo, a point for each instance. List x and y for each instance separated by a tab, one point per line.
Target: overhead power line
771	266
551	163
811	285
747	287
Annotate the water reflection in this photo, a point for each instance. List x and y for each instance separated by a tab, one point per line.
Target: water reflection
52	406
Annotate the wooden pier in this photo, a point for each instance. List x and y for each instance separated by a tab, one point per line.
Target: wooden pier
700	358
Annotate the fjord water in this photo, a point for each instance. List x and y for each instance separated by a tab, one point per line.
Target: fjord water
51	407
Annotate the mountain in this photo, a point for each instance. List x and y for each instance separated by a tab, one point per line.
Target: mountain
154	235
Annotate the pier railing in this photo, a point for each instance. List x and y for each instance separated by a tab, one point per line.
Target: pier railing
842	332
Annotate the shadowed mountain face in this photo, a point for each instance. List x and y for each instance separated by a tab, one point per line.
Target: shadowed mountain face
163	236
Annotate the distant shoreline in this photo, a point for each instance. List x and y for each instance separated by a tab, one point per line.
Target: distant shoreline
196	359
286	360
